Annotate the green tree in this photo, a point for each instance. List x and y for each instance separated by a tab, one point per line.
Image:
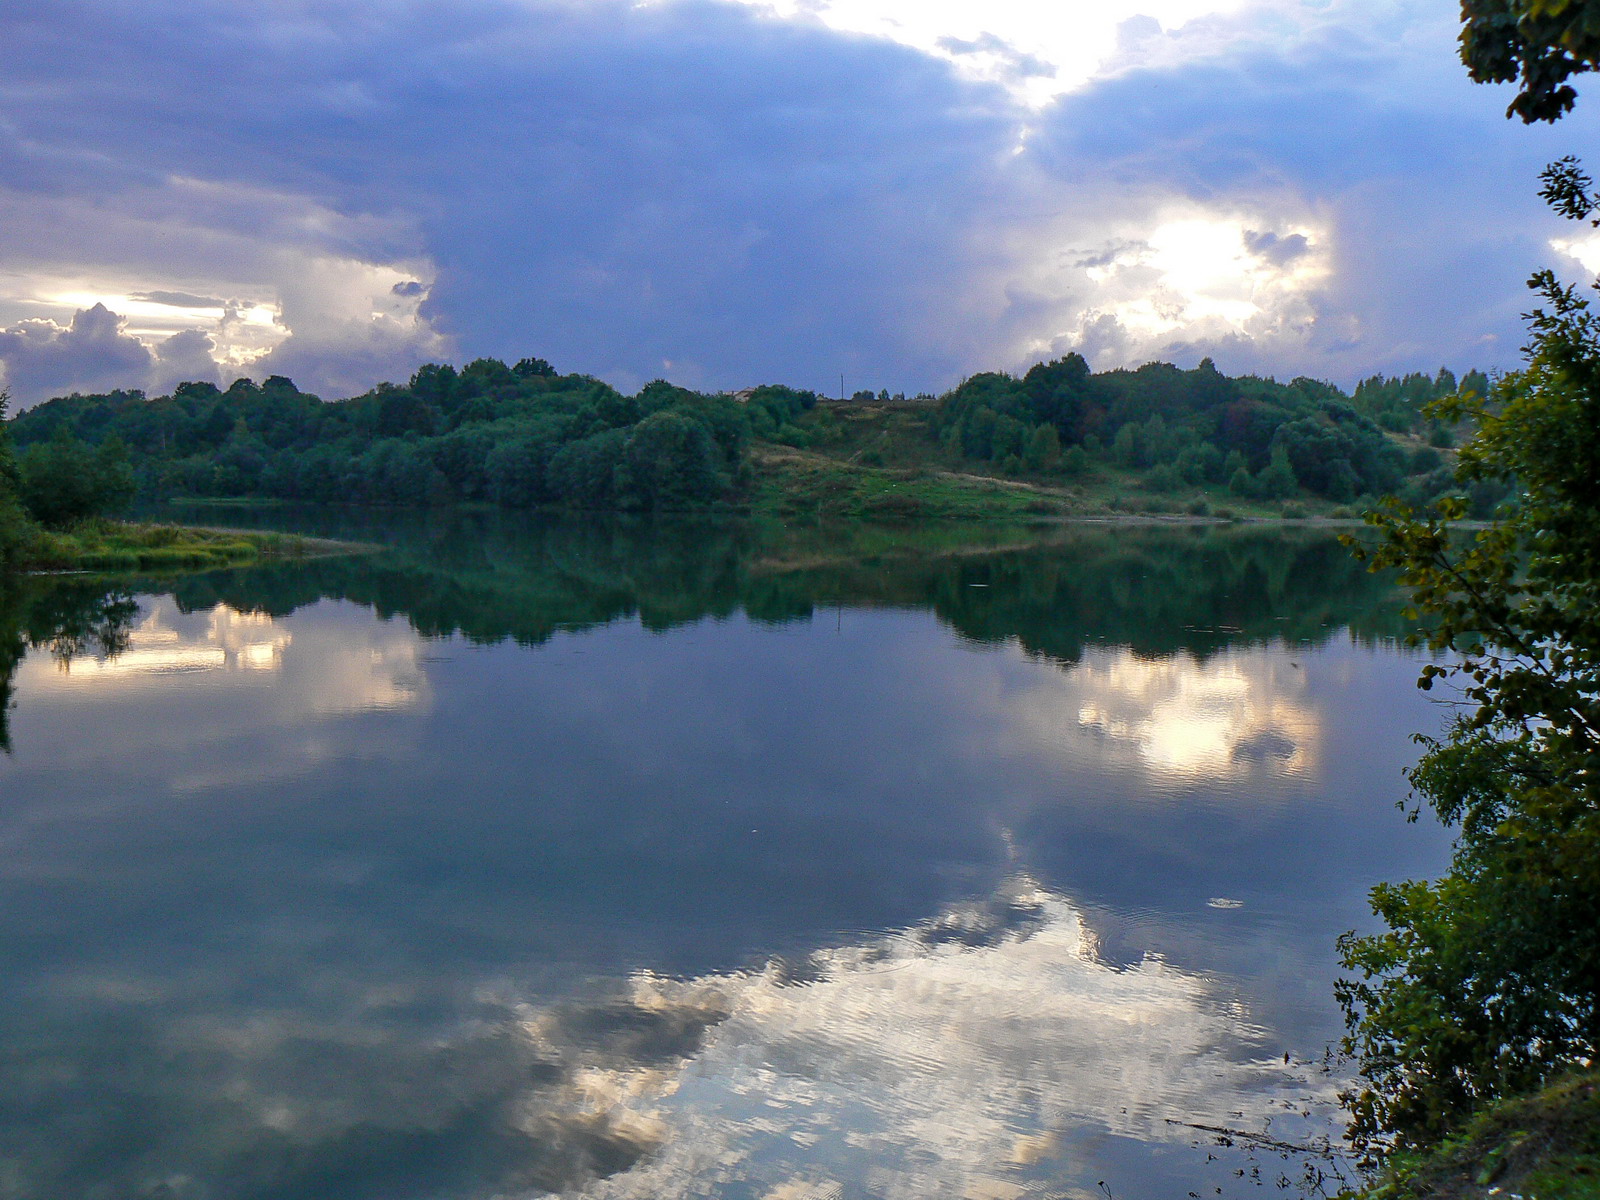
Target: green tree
63	480
16	529
1277	479
1537	44
1043	451
1056	393
667	460
533	368
1242	483
1487	981
1129	448
1200	463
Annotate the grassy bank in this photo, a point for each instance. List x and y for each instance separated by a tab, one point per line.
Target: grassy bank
883	461
104	545
791	482
1540	1147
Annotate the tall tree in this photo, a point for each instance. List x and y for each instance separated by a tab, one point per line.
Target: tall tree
1487	981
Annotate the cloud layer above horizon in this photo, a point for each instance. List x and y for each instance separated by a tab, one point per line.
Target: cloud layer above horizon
727	192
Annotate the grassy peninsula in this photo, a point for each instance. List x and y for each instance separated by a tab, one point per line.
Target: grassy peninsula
101	544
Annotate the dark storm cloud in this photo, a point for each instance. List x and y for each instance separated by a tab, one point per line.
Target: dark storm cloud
95	353
618	188
608	187
185	357
1278	249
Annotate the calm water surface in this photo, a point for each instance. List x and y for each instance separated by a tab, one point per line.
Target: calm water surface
692	860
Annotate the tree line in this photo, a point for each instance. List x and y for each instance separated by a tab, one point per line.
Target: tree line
516	436
1260	438
525	435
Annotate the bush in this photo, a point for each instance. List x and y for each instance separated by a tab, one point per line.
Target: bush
17	530
1425	459
1075	462
1162	478
63	481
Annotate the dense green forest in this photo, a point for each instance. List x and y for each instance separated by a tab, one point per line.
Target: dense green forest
1261	438
516	436
523	436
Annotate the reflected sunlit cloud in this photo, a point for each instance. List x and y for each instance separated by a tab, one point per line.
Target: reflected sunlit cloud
1182	722
961	1057
231	641
986	1052
321	672
1193	722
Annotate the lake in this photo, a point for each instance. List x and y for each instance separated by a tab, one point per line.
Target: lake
690	858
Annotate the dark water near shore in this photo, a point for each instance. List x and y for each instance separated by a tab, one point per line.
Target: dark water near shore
669	859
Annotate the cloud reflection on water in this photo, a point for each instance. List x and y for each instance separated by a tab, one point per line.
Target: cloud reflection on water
328	966
331	672
1188	721
985	1052
982	1053
232	641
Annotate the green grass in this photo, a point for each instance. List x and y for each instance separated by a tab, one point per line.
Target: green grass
882	460
796	482
1540	1147
117	546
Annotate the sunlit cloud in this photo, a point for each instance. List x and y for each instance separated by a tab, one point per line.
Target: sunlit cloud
756	190
241	330
1584	250
1036	52
248	269
1122	279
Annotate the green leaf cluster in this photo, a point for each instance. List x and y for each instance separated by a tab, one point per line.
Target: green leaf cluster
1487	981
1536	44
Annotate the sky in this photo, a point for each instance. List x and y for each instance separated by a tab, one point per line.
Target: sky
731	192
